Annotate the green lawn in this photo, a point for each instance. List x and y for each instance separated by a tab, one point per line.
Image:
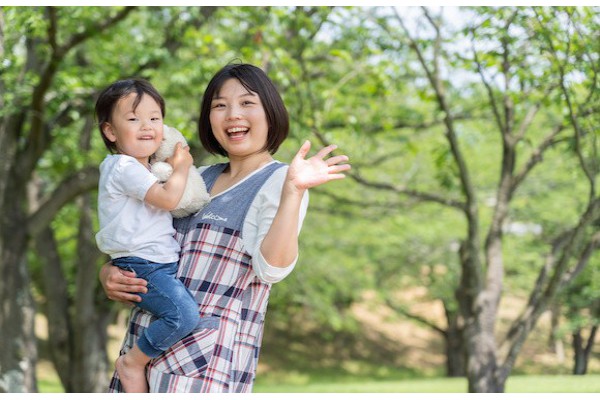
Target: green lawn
515	384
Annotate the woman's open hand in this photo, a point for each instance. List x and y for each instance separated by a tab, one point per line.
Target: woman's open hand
120	285
307	173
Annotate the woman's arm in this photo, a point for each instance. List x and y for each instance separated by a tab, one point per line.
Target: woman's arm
120	285
280	246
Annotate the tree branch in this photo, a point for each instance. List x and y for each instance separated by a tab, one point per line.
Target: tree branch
424	321
537	156
80	182
408	192
470	251
93	30
590	174
39	138
539	299
486	84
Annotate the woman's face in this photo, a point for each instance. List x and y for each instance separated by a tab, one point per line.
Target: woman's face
238	120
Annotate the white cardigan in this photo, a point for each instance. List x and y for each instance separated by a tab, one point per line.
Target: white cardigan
259	219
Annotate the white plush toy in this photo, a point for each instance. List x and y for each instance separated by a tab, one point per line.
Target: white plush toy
195	195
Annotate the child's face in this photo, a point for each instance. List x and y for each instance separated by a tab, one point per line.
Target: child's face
238	120
136	133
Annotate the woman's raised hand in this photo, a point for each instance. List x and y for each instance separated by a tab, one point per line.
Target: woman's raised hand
305	173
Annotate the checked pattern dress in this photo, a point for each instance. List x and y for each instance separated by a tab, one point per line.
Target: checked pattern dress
221	354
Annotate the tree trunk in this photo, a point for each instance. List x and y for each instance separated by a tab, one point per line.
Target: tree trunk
76	328
56	306
579	355
77	324
582	350
90	365
455	349
19	352
482	365
478	334
554	340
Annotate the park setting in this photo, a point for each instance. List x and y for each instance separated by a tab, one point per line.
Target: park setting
460	253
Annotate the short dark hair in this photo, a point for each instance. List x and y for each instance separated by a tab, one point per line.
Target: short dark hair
108	98
255	80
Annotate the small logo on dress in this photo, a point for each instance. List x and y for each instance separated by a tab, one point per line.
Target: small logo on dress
215	217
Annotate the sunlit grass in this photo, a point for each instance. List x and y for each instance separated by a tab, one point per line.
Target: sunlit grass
515	384
47	378
49	383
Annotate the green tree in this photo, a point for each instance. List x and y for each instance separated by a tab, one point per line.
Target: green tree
582	315
526	60
48	84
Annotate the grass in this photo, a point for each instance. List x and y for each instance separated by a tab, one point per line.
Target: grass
48	380
49	383
515	384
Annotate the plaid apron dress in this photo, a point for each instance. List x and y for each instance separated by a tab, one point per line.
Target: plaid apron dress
221	354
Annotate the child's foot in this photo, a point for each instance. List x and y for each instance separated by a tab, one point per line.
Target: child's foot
133	378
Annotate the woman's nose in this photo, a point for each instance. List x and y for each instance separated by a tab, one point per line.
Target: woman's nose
234	113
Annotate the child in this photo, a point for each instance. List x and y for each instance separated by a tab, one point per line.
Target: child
136	228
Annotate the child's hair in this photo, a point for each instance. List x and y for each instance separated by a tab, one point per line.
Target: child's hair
255	80
112	94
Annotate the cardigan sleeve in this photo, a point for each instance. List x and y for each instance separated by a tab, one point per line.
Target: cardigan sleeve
258	221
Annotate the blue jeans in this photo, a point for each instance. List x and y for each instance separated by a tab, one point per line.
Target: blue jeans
168	299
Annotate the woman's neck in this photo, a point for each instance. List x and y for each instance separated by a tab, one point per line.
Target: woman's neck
240	167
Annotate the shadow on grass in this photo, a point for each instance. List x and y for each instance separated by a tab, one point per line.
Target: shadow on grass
300	356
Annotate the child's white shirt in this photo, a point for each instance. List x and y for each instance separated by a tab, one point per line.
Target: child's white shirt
128	225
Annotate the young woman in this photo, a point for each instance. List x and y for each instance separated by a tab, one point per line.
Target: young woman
235	248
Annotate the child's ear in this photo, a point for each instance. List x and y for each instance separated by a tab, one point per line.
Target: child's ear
108	132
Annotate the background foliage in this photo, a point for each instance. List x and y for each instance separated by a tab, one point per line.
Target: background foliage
350	76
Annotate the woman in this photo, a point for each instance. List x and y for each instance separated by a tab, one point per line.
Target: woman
245	240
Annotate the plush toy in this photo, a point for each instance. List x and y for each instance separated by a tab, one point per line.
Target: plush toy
195	195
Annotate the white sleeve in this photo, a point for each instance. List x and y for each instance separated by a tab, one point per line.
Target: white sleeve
257	224
130	177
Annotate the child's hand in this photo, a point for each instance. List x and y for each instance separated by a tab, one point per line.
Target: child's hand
306	173
181	157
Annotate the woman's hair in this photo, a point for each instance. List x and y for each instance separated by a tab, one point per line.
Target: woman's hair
112	94
255	80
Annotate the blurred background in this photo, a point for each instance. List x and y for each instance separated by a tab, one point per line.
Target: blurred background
462	246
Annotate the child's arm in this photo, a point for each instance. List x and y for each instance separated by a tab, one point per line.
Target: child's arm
168	195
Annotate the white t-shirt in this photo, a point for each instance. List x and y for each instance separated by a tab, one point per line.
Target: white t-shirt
129	226
258	221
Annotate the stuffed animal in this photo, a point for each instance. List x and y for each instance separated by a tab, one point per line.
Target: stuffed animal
195	195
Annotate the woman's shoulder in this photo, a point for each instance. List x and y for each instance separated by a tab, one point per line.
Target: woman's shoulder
278	175
270	188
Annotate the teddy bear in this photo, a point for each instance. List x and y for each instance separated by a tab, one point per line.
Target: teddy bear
195	195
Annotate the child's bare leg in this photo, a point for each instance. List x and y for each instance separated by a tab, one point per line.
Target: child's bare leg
131	368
